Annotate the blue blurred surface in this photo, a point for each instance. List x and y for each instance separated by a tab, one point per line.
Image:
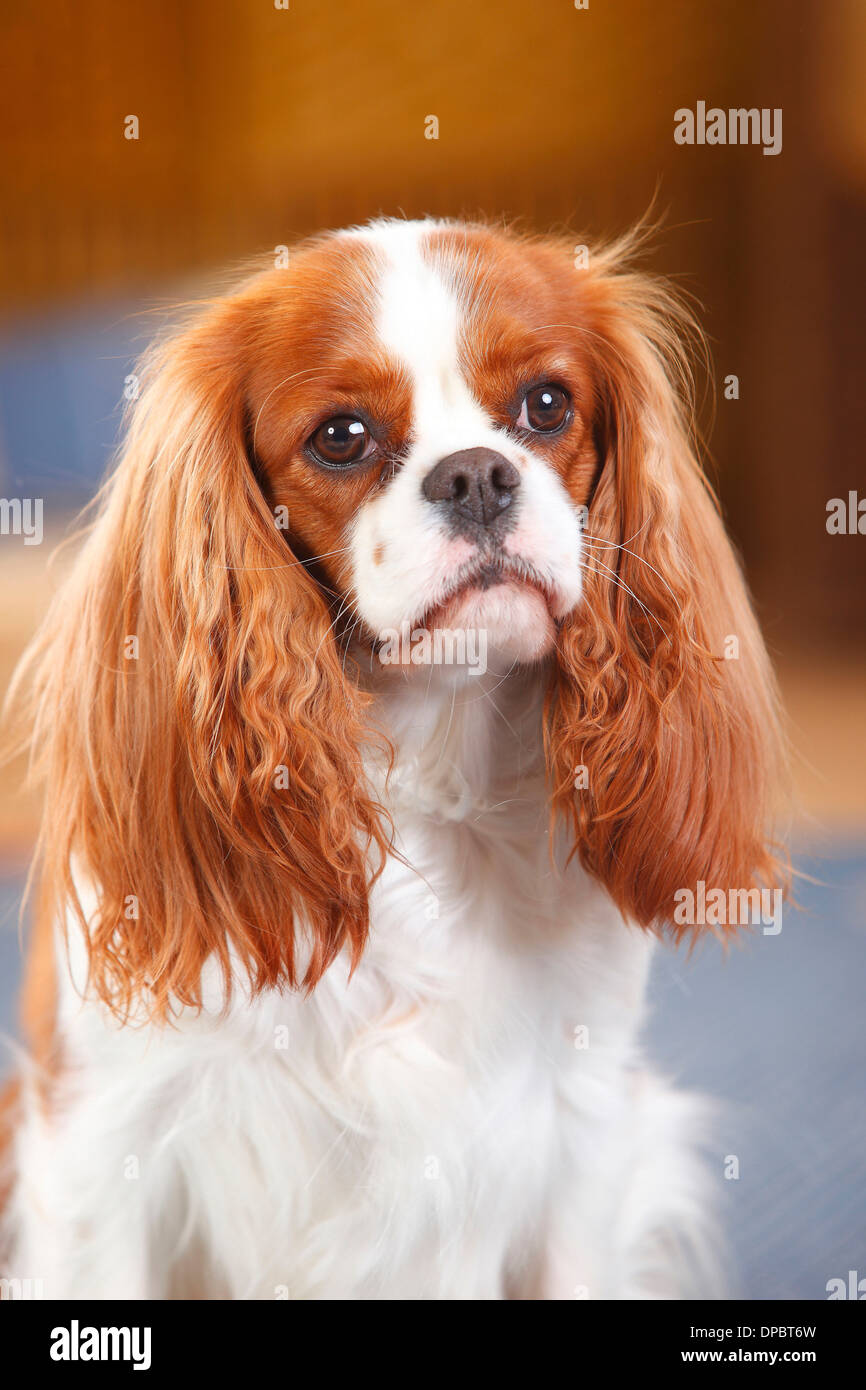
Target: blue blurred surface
61	396
775	1031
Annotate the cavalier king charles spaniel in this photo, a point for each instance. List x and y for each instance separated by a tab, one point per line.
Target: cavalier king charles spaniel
404	679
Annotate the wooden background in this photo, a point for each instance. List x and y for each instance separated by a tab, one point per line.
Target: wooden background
258	125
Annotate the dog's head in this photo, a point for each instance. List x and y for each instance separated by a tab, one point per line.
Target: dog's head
423	424
421	409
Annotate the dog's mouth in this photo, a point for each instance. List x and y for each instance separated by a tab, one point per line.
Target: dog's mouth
499	605
477	578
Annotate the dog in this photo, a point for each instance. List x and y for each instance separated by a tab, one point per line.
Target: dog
338	975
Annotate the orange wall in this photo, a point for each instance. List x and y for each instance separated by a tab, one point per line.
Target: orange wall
258	124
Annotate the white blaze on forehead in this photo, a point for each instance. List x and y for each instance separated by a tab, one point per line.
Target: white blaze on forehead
418	318
418	324
404	555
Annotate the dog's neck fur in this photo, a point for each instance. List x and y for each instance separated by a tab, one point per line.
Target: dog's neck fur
440	1085
467	748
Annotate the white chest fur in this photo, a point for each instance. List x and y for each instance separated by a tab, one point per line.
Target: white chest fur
462	1118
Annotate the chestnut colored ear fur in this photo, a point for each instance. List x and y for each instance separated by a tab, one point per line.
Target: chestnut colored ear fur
663	690
202	748
199	742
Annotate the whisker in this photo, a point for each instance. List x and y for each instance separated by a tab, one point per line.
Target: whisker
622	585
330	627
615	545
289	564
293	376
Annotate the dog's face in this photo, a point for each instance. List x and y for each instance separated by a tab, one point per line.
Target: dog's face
407	425
422	408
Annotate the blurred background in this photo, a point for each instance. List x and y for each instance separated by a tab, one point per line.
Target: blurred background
258	124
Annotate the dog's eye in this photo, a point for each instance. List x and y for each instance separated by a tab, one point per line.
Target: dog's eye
340	442
544	408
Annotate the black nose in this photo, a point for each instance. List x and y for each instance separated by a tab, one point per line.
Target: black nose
479	484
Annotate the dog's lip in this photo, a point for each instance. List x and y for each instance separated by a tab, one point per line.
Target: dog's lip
485	574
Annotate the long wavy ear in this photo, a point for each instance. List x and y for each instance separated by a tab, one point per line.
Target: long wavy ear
663	735
200	745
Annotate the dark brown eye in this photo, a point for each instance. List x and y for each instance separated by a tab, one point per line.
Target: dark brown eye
340	442
544	408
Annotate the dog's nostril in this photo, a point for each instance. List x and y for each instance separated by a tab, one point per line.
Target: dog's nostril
477	483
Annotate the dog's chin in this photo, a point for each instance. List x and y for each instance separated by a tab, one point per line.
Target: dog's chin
511	618
488	626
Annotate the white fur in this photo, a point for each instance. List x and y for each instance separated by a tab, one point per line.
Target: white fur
439	1125
430	1129
419	316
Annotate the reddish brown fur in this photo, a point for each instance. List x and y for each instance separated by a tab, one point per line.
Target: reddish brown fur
311	354
682	748
161	770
